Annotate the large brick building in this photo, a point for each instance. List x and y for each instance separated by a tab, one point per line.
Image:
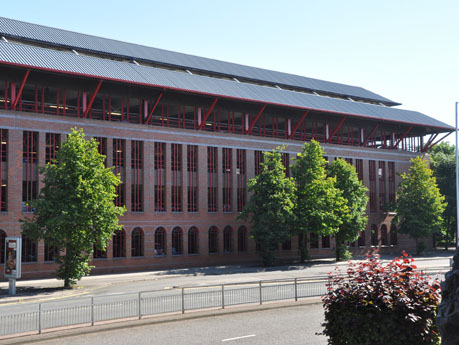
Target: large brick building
185	133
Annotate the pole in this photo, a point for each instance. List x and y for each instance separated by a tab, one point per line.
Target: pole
12	287
457	182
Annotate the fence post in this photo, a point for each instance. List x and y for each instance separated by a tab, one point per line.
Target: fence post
296	290
140	305
39	319
261	299
183	300
223	296
92	310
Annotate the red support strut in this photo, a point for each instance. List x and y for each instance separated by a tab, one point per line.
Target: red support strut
18	95
370	135
402	137
298	124
336	130
206	116
254	121
154	108
93	97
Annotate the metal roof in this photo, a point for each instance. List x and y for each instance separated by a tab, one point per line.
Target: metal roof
59	61
57	37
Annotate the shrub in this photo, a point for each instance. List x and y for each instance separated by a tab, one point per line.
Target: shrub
381	304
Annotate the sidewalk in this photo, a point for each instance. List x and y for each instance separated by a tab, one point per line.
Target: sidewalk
46	289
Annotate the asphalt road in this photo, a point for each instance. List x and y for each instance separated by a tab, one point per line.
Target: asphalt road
293	325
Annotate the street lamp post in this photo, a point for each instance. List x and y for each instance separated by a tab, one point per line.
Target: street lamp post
457	182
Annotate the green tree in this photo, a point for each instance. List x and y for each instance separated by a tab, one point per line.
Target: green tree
320	205
74	210
270	208
419	204
354	220
443	164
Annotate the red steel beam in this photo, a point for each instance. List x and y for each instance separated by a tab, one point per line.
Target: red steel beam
431	139
154	108
254	121
435	143
370	135
206	116
18	95
402	137
298	124
336	130
93	97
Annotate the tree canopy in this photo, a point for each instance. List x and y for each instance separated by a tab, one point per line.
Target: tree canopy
354	218
74	210
419	203
270	208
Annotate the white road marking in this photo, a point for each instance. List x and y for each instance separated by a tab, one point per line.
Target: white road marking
241	337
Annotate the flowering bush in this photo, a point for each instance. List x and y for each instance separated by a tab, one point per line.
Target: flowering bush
376	304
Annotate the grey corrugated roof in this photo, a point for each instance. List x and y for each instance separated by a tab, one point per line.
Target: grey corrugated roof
60	61
78	41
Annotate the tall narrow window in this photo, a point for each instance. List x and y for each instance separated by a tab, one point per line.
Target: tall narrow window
287	244
29	250
286	163
176	176
241	180
137	242
119	168
313	240
99	253
259	158
53	141
192	169
160	241
384	235
374	235
373	206
227	239
30	169
50	252
3	169
160	177
137	176
326	241
2	246
177	241
242	239
212	179
102	147
359	168
227	180
393	235
119	244
391	168
382	185
193	240
361	240
213	240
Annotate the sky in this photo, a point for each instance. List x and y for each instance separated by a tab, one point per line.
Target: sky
405	50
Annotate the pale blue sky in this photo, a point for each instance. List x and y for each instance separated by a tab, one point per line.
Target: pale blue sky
406	50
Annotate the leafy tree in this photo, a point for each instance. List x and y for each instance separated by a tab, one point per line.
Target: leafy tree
354	220
270	208
443	164
419	204
74	210
320	205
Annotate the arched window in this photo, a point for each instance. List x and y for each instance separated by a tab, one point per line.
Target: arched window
119	244
2	246
29	250
361	241
160	241
374	235
384	236
326	241
177	241
213	240
393	235
227	239
99	254
242	239
193	240
137	242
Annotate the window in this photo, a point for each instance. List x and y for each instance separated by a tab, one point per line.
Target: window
2	246
242	239
374	235
382	186
30	169
359	168
241	179
119	244
393	235
227	239
286	163
160	241
99	253
227	180
259	159
192	169
212	179
373	207
29	250
137	242
176	176
325	241
50	252
102	147
137	176
160	177
287	244
314	240
193	241
177	241
3	169
361	240
119	168
391	178
213	240
53	141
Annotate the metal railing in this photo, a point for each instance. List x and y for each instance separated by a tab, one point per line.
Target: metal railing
92	310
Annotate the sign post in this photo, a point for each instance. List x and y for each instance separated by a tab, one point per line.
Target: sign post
13	251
